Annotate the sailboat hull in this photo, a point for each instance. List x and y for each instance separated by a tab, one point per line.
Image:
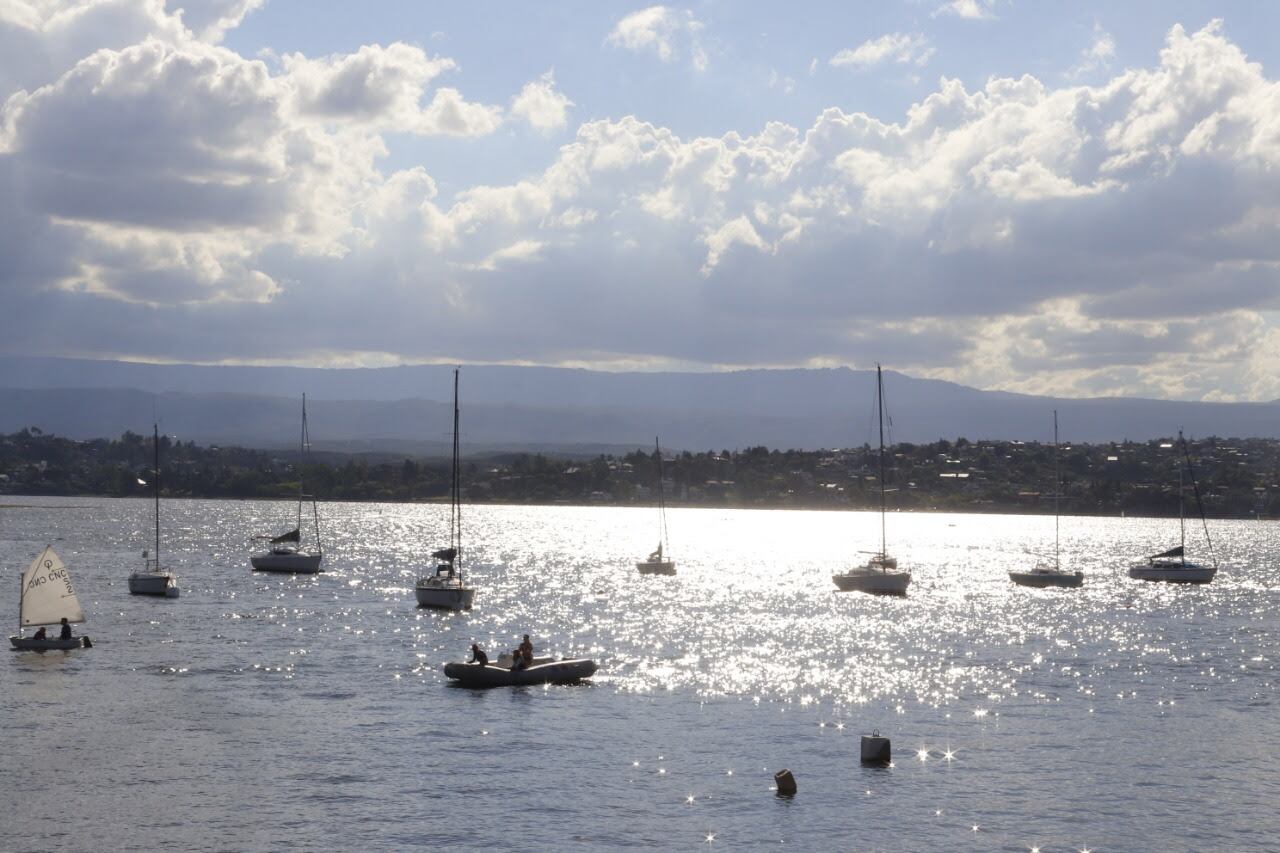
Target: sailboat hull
1042	579
53	644
873	582
296	563
163	584
657	567
1175	573
444	597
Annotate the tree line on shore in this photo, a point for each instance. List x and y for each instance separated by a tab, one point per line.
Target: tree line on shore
1236	478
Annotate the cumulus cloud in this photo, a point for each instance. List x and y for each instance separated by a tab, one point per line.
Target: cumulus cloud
668	33
1121	237
211	19
383	88
974	10
541	105
902	48
1097	55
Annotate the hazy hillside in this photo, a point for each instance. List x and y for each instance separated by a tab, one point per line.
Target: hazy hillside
405	409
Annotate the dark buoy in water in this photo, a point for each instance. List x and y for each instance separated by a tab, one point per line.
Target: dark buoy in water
786	783
875	750
86	643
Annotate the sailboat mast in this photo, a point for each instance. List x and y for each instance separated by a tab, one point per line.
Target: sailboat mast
302	457
455	492
662	500
1182	513
884	548
1195	488
1057	487
155	440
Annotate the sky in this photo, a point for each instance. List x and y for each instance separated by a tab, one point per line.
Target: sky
1077	199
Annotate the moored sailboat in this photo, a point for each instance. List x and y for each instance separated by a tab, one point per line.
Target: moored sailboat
446	589
659	562
880	575
1171	566
154	579
285	553
1054	575
47	598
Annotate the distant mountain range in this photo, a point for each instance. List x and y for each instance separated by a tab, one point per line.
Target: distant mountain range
407	410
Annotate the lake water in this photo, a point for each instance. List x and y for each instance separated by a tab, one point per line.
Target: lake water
266	711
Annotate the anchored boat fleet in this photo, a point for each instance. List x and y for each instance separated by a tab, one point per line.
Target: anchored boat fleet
48	598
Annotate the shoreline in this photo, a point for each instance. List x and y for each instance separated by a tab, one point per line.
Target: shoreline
990	510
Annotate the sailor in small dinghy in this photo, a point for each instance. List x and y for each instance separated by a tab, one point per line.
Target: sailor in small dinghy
478	657
526	651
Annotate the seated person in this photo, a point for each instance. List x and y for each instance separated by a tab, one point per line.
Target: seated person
66	629
478	657
526	651
40	634
517	660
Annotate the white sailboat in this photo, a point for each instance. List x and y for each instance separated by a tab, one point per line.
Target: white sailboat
880	575
446	589
46	598
659	562
1172	566
285	552
154	579
1054	575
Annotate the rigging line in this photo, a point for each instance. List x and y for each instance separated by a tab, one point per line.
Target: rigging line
1195	488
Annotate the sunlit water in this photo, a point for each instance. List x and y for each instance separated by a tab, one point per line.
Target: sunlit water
263	711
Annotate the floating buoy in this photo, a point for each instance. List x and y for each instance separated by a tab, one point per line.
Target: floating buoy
786	783
85	641
875	749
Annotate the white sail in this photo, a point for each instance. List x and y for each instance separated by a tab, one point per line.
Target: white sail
47	593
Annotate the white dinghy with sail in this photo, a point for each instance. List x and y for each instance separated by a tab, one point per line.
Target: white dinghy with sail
659	562
154	579
285	552
1044	576
880	576
47	598
446	590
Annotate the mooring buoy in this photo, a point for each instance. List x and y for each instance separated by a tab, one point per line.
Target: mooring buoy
786	783
875	749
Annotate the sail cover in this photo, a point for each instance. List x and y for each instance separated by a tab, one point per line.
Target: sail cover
1172	552
47	594
294	535
446	554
